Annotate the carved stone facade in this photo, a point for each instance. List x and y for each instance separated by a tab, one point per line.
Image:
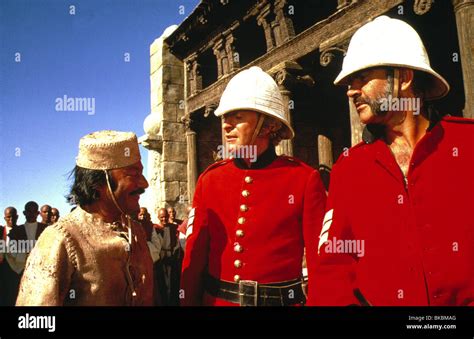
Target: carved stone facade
302	49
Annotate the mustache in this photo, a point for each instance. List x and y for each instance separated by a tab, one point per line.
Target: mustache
361	100
138	191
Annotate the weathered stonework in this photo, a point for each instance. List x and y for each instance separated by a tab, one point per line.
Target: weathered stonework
174	151
173	131
167	158
170	191
171	170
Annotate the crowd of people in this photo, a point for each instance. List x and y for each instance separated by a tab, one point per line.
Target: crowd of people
395	228
166	241
12	256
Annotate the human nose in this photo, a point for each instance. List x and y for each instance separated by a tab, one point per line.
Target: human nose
227	126
143	182
354	90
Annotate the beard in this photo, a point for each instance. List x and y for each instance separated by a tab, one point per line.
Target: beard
375	103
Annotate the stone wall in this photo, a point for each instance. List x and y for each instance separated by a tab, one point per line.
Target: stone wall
167	157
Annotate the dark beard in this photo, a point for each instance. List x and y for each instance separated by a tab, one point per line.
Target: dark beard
376	103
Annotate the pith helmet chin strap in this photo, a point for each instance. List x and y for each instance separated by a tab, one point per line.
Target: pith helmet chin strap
129	229
109	187
396	82
258	127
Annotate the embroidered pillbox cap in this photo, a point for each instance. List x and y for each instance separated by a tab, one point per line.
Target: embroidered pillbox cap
104	150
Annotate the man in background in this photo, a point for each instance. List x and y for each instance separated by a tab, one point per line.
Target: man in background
172	217
46	214
9	268
155	243
167	269
28	234
54	215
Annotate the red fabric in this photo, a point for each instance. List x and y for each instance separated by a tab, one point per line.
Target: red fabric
286	206
419	240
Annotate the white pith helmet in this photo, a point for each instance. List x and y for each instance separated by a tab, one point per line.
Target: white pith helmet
255	90
394	43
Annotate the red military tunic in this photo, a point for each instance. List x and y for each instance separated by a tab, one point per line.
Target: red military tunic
418	234
252	224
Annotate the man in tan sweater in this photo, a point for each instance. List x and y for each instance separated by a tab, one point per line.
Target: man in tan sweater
96	255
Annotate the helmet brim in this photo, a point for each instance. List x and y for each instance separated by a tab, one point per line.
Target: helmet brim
439	86
288	132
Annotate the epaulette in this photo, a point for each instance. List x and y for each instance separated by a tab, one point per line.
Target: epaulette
457	120
216	164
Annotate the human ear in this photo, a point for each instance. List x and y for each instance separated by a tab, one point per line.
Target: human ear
406	79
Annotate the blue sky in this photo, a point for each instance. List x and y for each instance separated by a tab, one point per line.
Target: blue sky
81	55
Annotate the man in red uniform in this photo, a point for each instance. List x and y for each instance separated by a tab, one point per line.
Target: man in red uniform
398	228
254	214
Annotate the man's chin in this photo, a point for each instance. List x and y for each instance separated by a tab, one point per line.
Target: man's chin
133	208
368	118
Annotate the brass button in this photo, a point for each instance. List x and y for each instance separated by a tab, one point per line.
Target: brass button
244	208
248	180
238	248
239	233
245	193
241	220
236	278
238	263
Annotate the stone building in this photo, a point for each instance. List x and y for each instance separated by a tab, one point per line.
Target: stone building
299	42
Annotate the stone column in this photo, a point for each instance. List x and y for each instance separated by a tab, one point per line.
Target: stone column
263	20
192	163
193	73
325	158
219	52
328	50
464	10
286	30
234	63
286	146
153	143
285	81
167	163
287	75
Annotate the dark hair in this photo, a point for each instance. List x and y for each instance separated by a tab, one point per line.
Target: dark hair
31	204
84	190
421	81
13	209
